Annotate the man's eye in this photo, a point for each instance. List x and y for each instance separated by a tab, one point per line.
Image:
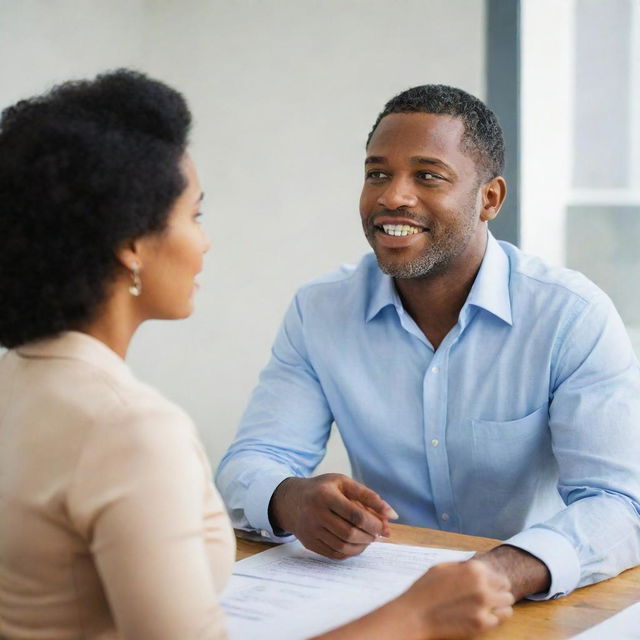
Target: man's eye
376	175
428	175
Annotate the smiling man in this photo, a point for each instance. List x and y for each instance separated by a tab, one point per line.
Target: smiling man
477	389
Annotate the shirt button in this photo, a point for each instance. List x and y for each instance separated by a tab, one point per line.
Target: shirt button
435	443
434	369
445	516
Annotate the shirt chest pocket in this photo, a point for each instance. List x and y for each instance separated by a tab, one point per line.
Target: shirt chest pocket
507	455
509	430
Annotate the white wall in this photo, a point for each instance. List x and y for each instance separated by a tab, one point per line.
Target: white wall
283	93
546	137
47	41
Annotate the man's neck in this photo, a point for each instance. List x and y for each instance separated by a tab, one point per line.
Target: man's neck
434	302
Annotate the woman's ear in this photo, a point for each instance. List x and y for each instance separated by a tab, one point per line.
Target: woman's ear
128	255
494	193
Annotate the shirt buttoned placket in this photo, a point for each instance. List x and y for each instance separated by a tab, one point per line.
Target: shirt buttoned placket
435	391
434	403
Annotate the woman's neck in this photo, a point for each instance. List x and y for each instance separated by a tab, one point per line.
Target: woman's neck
115	324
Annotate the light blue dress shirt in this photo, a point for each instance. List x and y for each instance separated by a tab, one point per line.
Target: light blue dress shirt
523	425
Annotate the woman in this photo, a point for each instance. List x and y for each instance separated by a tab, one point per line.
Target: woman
110	525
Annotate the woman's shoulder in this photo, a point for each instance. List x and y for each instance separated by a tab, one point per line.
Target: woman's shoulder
124	403
107	407
140	437
78	379
144	449
139	410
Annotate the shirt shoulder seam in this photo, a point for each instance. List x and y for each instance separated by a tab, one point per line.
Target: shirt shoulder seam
561	285
321	282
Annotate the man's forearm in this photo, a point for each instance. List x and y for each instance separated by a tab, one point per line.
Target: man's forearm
526	573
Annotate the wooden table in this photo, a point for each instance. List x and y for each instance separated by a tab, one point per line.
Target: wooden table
554	619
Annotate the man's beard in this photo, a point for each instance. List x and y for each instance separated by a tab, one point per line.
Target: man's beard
446	245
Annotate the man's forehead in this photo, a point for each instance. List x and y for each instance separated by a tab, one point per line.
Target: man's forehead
417	133
407	136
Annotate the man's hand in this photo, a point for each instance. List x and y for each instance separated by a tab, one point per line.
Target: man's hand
330	514
525	572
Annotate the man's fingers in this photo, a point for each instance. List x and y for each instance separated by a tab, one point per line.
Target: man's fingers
386	532
319	546
325	549
347	532
355	514
356	491
346	549
332	514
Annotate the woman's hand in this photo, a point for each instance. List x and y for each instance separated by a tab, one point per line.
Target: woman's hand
458	600
452	600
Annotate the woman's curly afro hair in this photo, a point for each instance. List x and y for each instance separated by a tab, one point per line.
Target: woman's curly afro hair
84	168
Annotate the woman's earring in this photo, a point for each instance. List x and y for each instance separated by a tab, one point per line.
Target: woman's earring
136	284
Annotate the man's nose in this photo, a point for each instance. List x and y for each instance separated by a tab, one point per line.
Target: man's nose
398	193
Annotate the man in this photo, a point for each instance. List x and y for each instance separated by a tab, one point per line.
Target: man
477	390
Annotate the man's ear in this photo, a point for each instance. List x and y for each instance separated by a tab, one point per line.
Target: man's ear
494	193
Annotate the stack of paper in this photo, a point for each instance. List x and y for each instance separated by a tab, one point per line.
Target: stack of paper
289	593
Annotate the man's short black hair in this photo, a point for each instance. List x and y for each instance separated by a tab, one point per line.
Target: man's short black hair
482	136
84	169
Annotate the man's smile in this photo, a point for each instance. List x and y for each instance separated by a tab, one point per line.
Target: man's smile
400	229
395	232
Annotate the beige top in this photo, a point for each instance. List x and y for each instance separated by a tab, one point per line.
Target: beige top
108	518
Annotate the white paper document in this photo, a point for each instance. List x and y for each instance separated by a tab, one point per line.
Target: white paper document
623	626
290	593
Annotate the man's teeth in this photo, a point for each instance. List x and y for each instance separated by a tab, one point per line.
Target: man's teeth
400	229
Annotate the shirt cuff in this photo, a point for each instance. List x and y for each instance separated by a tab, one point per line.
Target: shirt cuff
557	553
256	508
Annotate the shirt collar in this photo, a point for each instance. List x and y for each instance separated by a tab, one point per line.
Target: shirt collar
382	295
73	345
490	290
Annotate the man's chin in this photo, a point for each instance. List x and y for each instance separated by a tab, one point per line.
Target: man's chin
418	268
401	269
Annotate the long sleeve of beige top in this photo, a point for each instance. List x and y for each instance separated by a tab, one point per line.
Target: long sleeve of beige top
111	527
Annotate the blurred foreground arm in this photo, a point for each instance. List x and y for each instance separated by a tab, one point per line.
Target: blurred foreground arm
452	600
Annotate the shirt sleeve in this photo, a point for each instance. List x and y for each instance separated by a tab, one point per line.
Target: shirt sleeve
283	432
138	497
594	418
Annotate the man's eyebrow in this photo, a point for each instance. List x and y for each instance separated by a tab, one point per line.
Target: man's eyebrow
425	160
414	160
